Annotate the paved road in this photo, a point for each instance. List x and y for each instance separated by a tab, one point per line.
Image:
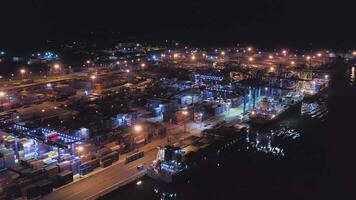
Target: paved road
92	186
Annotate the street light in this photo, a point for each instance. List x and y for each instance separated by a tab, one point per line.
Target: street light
193	57
222	53
249	49
2	94
201	119
270	57
250	59
80	149
292	62
22	72
93	77
137	128
56	66
185	113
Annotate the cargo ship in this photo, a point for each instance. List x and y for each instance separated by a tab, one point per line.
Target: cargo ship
270	111
168	164
176	163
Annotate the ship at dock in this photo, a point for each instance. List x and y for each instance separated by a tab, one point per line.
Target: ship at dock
177	162
270	110
167	165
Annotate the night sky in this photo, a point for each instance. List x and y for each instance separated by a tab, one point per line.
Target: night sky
29	23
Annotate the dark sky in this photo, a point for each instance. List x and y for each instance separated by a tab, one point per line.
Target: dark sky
28	23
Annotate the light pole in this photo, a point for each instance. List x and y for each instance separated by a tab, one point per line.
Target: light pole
201	119
2	96
93	78
137	129
56	67
185	114
22	72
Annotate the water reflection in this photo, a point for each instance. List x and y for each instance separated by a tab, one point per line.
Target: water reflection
352	76
164	195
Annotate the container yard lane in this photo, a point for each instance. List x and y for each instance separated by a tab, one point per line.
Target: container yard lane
104	181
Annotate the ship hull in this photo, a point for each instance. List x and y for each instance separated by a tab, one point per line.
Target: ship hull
294	109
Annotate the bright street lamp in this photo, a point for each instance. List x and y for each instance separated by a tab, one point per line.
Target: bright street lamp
2	94
56	66
137	128
185	113
93	77
22	72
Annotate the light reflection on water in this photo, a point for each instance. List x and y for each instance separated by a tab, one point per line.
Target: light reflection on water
352	76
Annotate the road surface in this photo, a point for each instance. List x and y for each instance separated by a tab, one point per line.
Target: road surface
96	185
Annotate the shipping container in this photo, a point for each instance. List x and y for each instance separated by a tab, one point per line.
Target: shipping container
12	191
103	151
52	170
63	178
64	166
106	163
85	170
134	156
45	186
31	192
113	155
75	165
